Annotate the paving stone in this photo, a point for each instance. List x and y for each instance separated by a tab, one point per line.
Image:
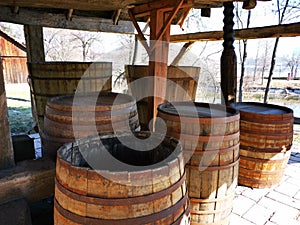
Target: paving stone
284	199
283	219
294	181
242	204
240	189
258	215
297	196
278	207
269	223
256	194
237	220
292	171
287	189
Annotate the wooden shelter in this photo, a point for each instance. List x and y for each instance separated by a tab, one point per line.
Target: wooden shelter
117	17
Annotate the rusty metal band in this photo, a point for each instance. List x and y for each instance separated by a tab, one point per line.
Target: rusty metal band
200	120
213	152
284	135
246	171
266	150
69	78
138	220
224	198
213	168
207	212
252	181
121	201
205	138
222	222
269	161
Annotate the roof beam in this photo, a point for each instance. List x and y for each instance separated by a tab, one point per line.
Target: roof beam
286	30
101	5
33	17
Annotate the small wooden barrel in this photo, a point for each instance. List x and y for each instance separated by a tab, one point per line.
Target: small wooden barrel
49	79
184	77
209	134
108	113
266	139
153	191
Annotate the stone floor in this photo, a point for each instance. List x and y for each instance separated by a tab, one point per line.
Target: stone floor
279	205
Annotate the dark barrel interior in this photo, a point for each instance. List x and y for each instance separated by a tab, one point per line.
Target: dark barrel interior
97	152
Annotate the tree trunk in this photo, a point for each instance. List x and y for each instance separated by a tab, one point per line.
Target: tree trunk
273	61
6	150
242	71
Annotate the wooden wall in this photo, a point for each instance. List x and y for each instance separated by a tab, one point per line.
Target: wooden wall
13	59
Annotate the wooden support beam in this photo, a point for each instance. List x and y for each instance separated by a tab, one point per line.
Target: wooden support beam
285	30
6	150
158	59
34	43
228	58
38	18
116	16
140	34
69	16
183	17
185	48
31	179
35	53
101	5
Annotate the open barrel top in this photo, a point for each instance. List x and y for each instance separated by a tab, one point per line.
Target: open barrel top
262	108
101	100
197	110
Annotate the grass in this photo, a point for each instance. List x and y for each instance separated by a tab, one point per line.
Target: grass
20	119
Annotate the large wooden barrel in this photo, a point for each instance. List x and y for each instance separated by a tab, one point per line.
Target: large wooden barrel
153	191
49	79
209	134
185	77
266	139
100	113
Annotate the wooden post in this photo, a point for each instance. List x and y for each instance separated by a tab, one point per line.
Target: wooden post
158	60
228	58
6	150
35	53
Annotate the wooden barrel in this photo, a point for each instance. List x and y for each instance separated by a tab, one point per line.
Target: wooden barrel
154	192
184	76
210	140
266	139
108	113
49	79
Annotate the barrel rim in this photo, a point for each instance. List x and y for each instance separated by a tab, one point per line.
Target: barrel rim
171	142
162	108
267	105
55	102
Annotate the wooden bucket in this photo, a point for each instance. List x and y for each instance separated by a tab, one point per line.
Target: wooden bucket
266	139
210	141
184	76
148	194
110	112
49	79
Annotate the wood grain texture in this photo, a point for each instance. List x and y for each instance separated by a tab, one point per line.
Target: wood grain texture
286	30
32	179
6	149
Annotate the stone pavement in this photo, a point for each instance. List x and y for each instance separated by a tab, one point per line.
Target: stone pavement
279	205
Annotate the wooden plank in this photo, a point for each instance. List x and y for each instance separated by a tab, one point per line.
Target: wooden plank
33	17
6	150
34	43
285	30
158	60
101	5
32	179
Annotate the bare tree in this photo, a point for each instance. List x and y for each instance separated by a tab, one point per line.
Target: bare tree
284	9
292	62
85	41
